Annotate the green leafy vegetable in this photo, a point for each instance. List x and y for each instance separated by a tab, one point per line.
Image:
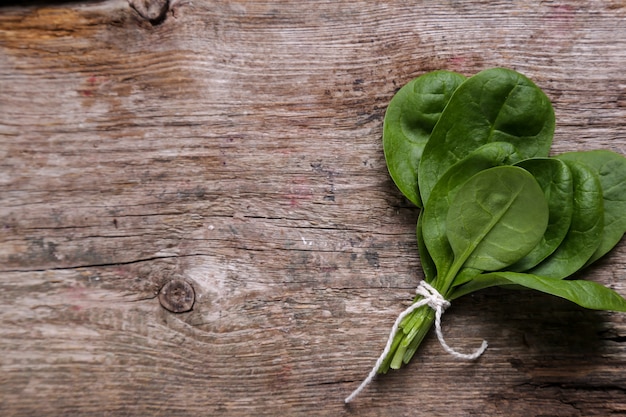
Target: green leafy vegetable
584	293
496	218
610	168
585	231
495	209
428	264
495	105
555	179
435	213
410	118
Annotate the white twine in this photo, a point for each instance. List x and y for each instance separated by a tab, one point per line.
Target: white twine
434	300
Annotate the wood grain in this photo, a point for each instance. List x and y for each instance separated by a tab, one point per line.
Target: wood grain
236	145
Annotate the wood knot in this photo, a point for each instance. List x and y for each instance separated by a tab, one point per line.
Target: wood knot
177	296
154	11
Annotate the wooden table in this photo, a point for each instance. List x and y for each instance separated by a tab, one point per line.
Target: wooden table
235	146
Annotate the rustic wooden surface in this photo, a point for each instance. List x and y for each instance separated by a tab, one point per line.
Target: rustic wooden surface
237	146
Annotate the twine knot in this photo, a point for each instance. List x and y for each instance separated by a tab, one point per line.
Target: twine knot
432	297
434	300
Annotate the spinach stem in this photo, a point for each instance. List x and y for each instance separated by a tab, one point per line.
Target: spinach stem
414	327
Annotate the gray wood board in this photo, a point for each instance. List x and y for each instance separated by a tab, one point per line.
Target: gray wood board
237	146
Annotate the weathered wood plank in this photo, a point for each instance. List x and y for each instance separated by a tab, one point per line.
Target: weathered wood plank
236	145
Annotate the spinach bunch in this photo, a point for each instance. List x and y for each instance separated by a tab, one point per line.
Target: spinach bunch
496	208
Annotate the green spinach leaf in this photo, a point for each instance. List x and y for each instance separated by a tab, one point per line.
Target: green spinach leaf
495	105
610	169
428	264
586	294
410	118
496	218
585	231
555	179
435	212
